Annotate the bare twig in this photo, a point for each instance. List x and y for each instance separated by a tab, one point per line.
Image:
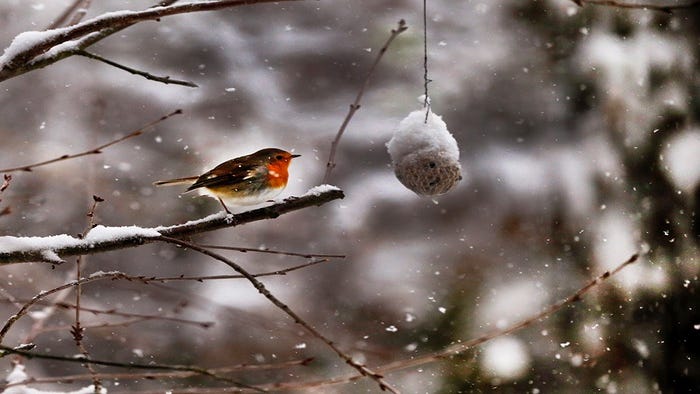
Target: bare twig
123	323
113	312
93	30
93	151
356	104
5	350
668	8
281	272
5	184
80	12
25	308
160	375
281	252
361	368
461	347
77	330
166	80
426	80
70	10
215	222
122	276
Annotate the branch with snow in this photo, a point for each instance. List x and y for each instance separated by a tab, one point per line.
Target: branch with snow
53	249
32	50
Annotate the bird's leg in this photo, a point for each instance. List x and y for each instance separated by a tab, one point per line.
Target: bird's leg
224	205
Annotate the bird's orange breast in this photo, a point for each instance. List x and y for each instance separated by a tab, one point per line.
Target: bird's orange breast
277	174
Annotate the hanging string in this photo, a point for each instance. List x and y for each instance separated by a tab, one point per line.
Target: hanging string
426	102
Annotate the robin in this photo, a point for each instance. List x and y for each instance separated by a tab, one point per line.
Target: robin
245	180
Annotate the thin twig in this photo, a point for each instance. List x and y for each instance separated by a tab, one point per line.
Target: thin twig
214	222
5	184
356	104
61	20
426	99
28	305
281	272
5	350
80	12
160	375
113	312
122	276
77	330
123	323
648	6
149	76
271	251
461	347
93	151
361	368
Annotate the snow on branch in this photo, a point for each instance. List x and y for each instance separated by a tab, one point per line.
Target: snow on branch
23	53
53	249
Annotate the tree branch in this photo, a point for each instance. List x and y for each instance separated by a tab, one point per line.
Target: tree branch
160	375
361	368
166	80
36	249
356	104
92	151
461	347
17	61
4	351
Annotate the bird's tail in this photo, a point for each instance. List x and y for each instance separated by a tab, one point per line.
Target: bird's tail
177	181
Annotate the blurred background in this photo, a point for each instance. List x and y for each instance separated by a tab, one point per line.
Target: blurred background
580	145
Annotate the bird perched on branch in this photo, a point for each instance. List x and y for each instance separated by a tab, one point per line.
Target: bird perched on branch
245	180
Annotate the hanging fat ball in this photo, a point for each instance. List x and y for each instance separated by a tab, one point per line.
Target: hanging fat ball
424	154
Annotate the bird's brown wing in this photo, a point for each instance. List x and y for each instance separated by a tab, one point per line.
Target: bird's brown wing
230	173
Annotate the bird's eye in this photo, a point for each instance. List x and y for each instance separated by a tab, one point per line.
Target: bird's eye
279	157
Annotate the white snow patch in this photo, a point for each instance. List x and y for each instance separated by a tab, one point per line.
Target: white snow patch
318	190
102	233
414	135
24	41
209	218
50	255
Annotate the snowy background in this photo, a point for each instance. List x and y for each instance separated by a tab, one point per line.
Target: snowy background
579	139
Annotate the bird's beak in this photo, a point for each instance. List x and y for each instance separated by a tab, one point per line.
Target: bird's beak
293	156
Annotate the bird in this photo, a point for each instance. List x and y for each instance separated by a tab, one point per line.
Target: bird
245	180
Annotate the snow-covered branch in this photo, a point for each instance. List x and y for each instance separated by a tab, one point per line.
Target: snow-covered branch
32	50
54	249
